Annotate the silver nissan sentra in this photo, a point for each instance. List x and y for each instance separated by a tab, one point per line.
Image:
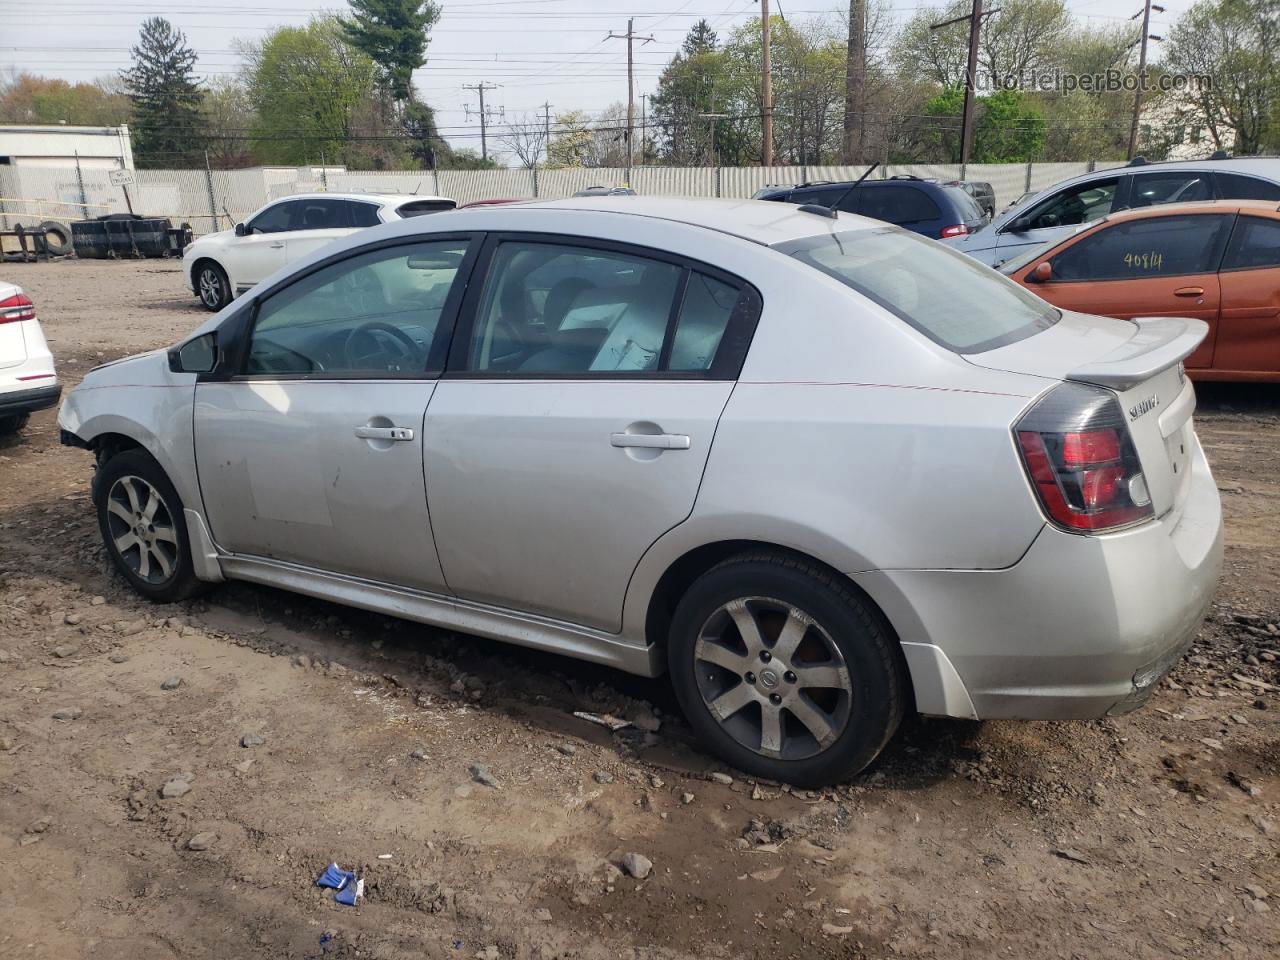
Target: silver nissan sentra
820	470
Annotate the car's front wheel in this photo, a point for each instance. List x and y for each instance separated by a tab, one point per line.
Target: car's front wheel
143	527
212	285
784	671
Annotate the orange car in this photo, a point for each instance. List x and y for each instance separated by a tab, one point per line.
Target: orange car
1218	261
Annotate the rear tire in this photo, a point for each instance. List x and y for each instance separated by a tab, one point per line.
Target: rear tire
13	423
143	527
212	286
784	671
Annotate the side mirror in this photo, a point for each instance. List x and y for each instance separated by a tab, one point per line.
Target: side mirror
195	356
1043	273
241	230
1019	225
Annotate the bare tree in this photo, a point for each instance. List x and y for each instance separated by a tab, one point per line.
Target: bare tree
526	139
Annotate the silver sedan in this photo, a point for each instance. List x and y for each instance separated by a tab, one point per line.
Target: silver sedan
820	470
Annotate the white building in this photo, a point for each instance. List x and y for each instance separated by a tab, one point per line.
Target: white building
58	145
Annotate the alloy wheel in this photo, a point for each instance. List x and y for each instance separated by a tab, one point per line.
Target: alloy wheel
210	287
773	678
142	529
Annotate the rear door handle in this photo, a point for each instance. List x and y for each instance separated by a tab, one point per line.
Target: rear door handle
653	441
276	246
384	433
1189	292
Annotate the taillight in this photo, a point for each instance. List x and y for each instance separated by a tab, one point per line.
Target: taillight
15	308
1082	462
955	230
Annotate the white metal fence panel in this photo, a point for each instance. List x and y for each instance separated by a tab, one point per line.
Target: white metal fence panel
217	200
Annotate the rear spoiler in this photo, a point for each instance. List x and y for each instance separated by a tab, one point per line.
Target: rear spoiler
1159	343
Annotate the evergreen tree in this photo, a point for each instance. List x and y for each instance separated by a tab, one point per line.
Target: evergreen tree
700	39
393	34
167	124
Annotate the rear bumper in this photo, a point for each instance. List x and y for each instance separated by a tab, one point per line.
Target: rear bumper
29	400
1080	627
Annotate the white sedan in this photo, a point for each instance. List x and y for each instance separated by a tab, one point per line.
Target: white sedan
27	378
221	266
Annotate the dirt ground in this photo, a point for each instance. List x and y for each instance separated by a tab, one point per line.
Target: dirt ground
1153	835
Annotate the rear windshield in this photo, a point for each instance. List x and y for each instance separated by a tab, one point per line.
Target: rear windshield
417	208
952	299
967	206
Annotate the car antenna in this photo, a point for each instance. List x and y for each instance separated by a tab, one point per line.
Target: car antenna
416	187
857	183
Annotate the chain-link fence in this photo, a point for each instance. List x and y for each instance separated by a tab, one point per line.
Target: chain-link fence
214	200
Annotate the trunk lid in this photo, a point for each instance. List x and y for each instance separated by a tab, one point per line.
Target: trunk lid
1141	362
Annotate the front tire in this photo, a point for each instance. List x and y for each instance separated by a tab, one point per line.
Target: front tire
212	286
143	527
784	671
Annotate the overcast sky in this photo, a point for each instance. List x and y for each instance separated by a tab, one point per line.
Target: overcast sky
538	50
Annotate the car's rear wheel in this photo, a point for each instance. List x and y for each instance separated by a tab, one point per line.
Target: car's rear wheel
212	285
143	527
13	423
784	671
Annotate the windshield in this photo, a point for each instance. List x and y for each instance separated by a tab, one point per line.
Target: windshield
952	299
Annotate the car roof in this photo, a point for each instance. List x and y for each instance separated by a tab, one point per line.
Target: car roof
383	199
760	221
1264	207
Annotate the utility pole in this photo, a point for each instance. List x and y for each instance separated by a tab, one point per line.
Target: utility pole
855	83
630	36
970	76
766	87
480	88
1142	72
546	129
644	127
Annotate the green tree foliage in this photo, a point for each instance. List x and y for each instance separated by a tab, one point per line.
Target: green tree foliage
1008	128
167	127
27	98
394	35
686	90
1237	43
466	160
311	92
228	117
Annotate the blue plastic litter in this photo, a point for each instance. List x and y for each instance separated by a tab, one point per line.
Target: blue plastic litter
334	876
348	895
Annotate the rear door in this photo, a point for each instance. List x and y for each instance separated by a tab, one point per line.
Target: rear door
1150	267
318	222
1249	328
574	423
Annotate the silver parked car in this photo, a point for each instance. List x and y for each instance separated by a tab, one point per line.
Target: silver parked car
821	470
1051	215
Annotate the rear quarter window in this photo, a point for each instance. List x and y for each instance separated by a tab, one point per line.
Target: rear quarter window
952	299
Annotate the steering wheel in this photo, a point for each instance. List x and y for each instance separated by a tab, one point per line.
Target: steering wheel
406	349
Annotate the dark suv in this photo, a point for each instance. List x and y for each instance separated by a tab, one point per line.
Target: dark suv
932	209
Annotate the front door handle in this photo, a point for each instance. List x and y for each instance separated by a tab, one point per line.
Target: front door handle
652	441
278	245
384	433
1189	292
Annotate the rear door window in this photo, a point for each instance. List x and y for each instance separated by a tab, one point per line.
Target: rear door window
1255	243
319	214
896	203
1150	189
1151	247
1235	186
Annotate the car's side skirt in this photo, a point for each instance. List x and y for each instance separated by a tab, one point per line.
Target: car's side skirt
527	630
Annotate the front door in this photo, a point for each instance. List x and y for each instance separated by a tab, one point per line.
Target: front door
1149	267
1249	329
1054	217
573	426
252	258
311	452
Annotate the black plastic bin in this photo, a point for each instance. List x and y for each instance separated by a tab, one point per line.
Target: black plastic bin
121	235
